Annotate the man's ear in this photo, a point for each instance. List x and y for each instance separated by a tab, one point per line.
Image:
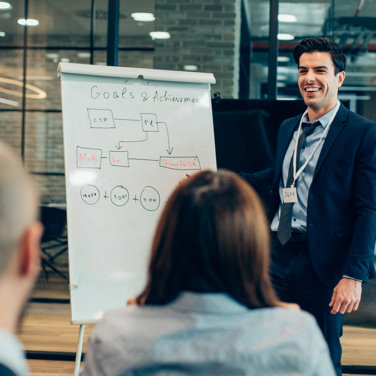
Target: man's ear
341	77
29	254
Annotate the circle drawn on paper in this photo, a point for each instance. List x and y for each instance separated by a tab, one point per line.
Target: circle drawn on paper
90	194
119	195
150	199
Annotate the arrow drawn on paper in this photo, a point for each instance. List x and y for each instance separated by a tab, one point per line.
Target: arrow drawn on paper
169	148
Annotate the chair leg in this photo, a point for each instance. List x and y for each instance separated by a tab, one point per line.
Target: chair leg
56	270
57	254
44	269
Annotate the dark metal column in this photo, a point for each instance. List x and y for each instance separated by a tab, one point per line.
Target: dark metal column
113	32
24	69
245	56
273	49
92	30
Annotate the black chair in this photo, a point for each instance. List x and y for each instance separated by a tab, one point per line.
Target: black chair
54	239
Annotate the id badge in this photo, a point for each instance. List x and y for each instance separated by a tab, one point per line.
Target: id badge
289	195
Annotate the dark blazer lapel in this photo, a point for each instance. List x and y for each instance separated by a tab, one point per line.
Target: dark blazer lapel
334	131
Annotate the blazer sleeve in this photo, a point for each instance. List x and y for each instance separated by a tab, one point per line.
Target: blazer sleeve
261	182
359	259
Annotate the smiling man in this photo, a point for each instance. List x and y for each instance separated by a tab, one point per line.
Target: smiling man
319	80
323	197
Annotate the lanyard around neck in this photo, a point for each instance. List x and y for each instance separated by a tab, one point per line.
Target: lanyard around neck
298	173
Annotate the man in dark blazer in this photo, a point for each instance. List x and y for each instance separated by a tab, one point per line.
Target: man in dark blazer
323	197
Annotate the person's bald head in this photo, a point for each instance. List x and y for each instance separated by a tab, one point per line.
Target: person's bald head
18	204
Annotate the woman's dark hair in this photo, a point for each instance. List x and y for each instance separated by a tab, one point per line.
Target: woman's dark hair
322	44
212	236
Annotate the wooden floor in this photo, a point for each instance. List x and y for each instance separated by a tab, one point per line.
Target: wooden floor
46	329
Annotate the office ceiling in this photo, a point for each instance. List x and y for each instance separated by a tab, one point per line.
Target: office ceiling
353	24
313	17
72	17
350	19
353	19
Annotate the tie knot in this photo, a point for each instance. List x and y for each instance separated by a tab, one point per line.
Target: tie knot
307	128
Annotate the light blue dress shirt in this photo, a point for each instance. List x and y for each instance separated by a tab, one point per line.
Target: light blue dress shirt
203	335
12	354
299	210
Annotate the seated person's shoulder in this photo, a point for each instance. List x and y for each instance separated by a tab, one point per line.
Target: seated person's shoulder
5	371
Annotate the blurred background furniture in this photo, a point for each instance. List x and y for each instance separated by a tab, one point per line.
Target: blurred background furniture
54	239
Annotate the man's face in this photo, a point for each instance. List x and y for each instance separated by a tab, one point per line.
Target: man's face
317	82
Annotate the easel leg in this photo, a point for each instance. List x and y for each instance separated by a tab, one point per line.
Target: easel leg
79	350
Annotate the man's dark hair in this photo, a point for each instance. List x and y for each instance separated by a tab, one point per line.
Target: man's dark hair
322	44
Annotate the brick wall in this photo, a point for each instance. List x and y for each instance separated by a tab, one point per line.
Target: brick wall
205	33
